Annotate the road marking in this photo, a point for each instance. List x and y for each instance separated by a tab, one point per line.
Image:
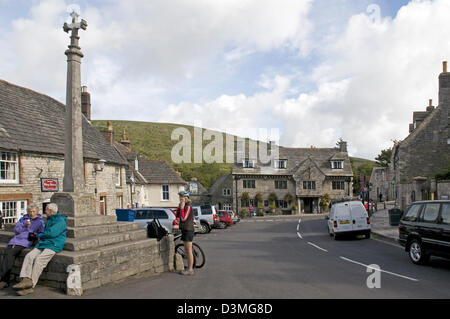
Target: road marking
318	247
298	234
388	272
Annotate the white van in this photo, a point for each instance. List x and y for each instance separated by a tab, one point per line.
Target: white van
348	218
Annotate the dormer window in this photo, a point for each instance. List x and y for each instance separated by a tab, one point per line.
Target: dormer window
337	164
248	163
280	164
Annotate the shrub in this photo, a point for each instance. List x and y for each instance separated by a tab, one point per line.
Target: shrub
244	213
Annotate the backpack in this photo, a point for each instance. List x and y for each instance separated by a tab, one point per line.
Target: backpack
155	230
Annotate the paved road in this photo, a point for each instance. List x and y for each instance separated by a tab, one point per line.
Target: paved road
283	259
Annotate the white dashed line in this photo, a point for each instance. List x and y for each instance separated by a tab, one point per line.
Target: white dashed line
387	272
317	247
298	234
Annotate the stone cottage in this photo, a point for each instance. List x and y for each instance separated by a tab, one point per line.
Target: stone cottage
151	183
299	178
32	154
221	192
423	154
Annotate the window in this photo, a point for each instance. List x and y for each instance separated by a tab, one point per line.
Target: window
160	214
280	164
266	203
430	213
9	168
120	201
118	177
445	217
12	211
280	184
309	185
281	204
337	164
165	192
248	163
249	183
227	206
226	192
206	210
338	185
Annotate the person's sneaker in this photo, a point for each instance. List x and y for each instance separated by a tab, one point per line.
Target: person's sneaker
25	292
3	284
26	283
187	272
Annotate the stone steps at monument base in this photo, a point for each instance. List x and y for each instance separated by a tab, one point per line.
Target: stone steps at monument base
91	220
5	236
77	244
106	264
87	231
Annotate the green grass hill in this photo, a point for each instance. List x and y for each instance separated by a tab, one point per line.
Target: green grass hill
154	141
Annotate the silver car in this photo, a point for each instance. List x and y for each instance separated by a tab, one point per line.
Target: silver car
166	216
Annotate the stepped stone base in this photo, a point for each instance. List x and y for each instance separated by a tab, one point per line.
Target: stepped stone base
103	265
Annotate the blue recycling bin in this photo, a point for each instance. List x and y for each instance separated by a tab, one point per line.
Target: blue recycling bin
125	215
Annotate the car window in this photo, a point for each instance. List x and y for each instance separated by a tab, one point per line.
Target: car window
430	213
195	212
445	214
206	210
140	214
148	214
160	214
412	213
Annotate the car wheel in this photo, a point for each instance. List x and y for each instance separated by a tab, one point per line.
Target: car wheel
205	228
417	253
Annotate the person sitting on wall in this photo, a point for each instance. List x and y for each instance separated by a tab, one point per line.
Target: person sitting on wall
51	242
25	233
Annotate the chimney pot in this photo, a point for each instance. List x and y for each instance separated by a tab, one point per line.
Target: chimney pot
110	127
84	89
431	102
444	66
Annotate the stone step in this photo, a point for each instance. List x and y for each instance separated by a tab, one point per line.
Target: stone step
97	230
93	242
91	220
5	236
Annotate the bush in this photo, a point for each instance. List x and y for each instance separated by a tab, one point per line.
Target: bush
244	213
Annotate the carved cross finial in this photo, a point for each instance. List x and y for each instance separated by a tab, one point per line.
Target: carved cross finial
75	25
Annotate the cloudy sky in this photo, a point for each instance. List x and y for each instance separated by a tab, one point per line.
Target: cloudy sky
316	70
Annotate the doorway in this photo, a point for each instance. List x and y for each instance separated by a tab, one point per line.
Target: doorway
102	205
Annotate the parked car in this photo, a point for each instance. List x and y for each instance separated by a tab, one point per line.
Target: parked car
225	219
208	217
348	218
424	230
234	217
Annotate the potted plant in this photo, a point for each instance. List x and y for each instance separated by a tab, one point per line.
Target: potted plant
325	203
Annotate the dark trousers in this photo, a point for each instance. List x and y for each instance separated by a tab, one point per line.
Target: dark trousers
7	264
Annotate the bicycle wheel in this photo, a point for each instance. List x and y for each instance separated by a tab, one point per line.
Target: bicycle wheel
179	249
199	256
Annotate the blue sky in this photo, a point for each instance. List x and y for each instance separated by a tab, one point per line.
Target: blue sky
317	70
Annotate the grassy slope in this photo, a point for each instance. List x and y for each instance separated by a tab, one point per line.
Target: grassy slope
154	141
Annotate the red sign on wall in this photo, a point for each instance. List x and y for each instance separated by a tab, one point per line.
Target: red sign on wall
49	185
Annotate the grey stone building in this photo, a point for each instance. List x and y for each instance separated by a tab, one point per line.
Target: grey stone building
423	154
32	154
302	175
221	192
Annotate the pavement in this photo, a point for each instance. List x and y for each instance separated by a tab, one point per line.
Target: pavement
381	228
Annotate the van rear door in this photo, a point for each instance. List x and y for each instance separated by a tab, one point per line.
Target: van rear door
343	217
359	217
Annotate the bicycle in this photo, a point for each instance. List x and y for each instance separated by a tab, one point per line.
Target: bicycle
197	251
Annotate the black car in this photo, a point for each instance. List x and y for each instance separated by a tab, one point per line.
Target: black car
425	230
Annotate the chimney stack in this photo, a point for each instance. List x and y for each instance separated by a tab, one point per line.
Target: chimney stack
109	134
444	86
430	107
125	141
86	103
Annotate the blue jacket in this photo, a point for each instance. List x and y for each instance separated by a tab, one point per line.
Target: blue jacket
54	235
21	231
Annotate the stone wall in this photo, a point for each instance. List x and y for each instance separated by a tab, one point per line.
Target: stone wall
106	264
443	190
34	167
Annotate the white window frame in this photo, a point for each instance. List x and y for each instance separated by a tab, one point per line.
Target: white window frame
227	207
248	163
165	192
118	176
6	163
280	164
226	192
12	217
336	164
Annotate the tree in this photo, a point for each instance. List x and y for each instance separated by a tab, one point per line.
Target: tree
384	158
245	197
325	202
288	198
273	197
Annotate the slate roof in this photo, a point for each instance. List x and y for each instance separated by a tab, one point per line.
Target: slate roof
33	122
216	186
158	172
296	157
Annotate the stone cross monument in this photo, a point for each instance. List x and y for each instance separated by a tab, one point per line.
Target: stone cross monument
73	159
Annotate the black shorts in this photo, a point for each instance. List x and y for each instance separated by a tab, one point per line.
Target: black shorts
187	236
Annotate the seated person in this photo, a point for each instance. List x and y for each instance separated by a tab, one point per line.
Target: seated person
25	232
51	242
